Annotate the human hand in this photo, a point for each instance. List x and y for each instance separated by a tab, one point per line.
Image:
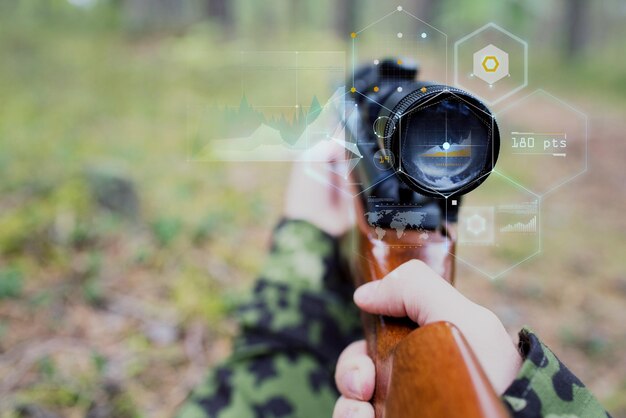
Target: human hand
317	193
414	290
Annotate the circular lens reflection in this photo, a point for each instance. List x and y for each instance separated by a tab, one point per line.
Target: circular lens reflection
445	145
379	127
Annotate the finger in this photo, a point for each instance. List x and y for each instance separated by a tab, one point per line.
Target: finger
413	290
355	375
329	159
349	408
324	165
323	155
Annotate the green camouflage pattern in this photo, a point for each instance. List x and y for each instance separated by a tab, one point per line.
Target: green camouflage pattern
544	387
297	321
293	327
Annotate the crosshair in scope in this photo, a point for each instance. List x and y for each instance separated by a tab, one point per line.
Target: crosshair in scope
440	141
444	140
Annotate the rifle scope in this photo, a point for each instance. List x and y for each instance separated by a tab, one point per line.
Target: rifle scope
439	141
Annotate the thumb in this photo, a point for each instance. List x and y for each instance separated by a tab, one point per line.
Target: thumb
413	290
416	291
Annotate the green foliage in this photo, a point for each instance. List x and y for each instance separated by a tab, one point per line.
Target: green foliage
99	362
11	283
41	299
46	367
205	230
53	393
93	292
166	230
197	295
43	219
591	344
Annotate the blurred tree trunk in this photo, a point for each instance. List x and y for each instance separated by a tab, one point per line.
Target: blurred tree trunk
295	15
427	10
154	14
346	17
222	11
576	26
267	22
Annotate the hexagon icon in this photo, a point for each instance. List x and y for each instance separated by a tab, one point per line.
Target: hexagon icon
499	227
477	226
543	142
465	148
491	64
403	35
409	38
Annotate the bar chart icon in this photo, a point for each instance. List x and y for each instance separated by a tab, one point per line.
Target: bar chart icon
530	227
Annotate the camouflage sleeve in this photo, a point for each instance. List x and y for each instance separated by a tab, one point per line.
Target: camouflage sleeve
293	328
544	387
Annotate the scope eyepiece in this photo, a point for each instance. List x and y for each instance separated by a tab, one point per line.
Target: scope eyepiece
444	140
440	141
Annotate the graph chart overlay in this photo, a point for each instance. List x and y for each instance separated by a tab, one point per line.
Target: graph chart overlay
282	94
500	222
529	227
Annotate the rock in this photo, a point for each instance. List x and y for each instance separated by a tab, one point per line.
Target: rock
114	190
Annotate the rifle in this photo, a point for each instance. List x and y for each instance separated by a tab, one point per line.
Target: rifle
419	137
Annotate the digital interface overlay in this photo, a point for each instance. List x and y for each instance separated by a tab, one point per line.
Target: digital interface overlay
290	101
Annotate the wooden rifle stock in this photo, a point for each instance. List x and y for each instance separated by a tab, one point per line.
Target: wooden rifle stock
420	372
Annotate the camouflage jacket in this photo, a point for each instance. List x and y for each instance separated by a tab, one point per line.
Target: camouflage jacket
299	319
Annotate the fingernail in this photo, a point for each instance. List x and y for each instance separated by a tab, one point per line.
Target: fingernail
366	292
354	382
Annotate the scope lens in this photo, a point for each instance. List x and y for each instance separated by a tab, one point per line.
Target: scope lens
445	144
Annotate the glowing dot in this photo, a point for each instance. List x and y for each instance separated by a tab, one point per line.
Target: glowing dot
353	35
297	106
400	35
423	89
424	35
446	145
490	86
353	90
376	89
399	8
399	62
376	62
399	89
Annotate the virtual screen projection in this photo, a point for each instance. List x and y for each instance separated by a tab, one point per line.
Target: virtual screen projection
425	122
